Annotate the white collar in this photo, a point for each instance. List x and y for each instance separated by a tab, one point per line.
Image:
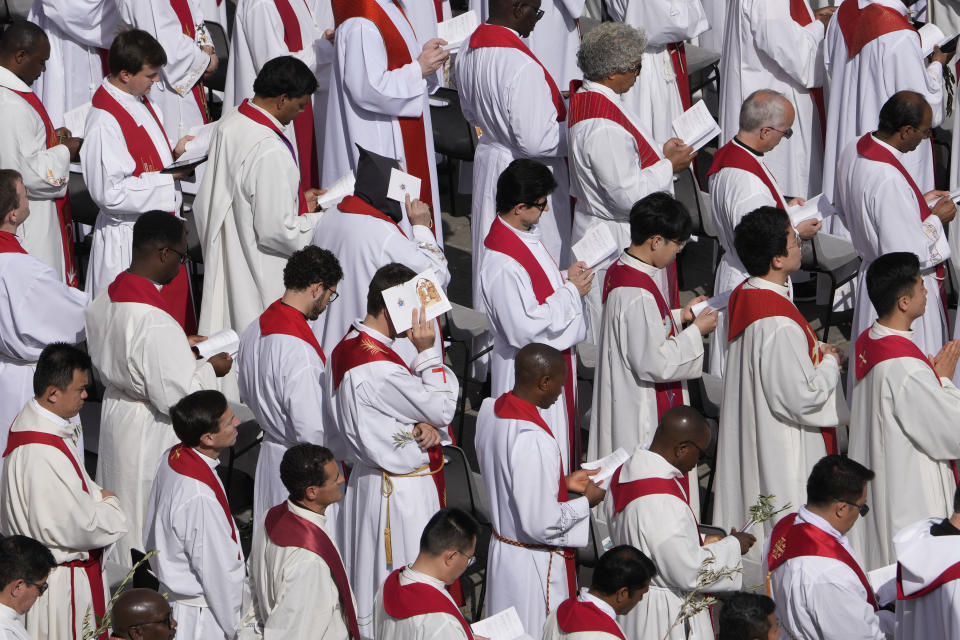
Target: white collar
896	152
589	85
318	519
120	95
893	4
213	463
62	425
411	574
805	515
647	464
373	333
755	282
880	331
10	80
266	113
9	613
639	265
530	237
586	596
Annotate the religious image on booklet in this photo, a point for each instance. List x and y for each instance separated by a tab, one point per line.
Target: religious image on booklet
422	291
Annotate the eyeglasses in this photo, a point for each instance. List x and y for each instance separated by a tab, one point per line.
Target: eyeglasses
168	621
333	296
538	205
40	586
864	508
471	560
524	4
788	133
184	257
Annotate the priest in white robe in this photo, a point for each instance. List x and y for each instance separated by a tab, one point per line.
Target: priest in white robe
282	370
253	210
393	420
778	45
30	144
536	526
902	414
145	362
199	562
29	564
36	307
46	494
528	299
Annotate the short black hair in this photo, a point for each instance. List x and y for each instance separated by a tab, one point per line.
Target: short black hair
902	109
9	199
23	558
387	276
132	49
285	75
56	365
302	466
309	266
745	616
449	528
21	35
622	566
890	276
760	237
524	181
197	414
659	214
836	477
156	230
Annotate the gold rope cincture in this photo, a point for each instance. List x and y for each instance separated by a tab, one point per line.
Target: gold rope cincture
538	547
386	489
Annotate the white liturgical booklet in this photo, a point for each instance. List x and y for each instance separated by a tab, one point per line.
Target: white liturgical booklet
607	465
76	119
339	190
226	340
717	302
595	245
457	30
403	184
811	210
505	625
423	290
695	126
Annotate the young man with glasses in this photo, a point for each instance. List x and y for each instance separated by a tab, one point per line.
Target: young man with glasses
816	579
146	362
24	567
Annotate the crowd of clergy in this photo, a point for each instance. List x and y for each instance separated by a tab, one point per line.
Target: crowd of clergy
833	486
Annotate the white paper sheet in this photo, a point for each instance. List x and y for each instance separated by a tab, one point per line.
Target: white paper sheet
197	148
607	465
402	184
930	36
76	119
809	211
456	30
595	245
883	581
695	126
226	340
339	190
505	625
718	302
423	290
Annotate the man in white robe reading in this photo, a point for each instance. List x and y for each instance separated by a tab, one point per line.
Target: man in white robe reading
414	602
392	418
253	210
781	390
145	362
26	568
648	507
199	562
527	298
282	370
46	494
536	526
613	161
300	586
903	412
30	144
815	578
778	45
36	307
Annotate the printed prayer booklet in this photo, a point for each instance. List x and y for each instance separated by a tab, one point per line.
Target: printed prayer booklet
595	245
457	30
505	625
717	302
695	126
76	119
401	184
339	190
226	340
423	290
931	36
195	151
607	465
809	211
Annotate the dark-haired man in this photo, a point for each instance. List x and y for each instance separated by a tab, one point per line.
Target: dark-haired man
125	150
816	579
253	209
781	392
199	561
142	614
748	616
145	361
46	494
298	578
25	565
392	420
620	580
414	602
903	414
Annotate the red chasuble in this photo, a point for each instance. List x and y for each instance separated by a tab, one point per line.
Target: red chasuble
733	156
188	462
510	407
574	616
862	26
147	159
282	318
353	204
91	566
950	574
189	26
260	118
287	529
503	240
800	12
9	243
489	35
746	306
412	130
417	599
64	214
623	493
789	540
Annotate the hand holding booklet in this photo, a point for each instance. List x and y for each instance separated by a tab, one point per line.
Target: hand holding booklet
505	625
595	245
225	341
422	291
456	31
339	190
810	210
695	126
607	465
717	302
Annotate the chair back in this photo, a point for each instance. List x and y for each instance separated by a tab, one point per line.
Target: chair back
453	136
221	45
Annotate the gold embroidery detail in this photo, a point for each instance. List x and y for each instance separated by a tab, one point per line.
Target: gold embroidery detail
779	548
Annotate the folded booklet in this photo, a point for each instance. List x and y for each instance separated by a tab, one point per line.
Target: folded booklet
225	341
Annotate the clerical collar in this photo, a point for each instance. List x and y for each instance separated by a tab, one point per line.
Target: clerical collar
295	309
756	282
889	147
52	417
639	264
418	576
747	147
944	528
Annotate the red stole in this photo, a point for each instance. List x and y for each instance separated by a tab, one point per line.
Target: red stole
510	407
800	12
90	566
489	35
746	306
259	117
187	462
189	26
282	318
862	26
417	599
503	240
586	105
669	394
623	493
574	616
949	574
287	529
359	206
303	125
64	214
412	130
789	540
9	243
678	58
872	351
128	287
438	9
733	156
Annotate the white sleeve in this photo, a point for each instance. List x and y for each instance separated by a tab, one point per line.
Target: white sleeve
307	600
893	207
45	172
738	193
46	310
304	396
795	49
838	607
573	8
926	412
531	115
170	370
905	69
186	62
428	396
264	31
653	356
422	254
86	21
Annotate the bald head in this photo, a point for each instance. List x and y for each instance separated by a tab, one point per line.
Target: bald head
136	608
681	424
535	361
764	108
